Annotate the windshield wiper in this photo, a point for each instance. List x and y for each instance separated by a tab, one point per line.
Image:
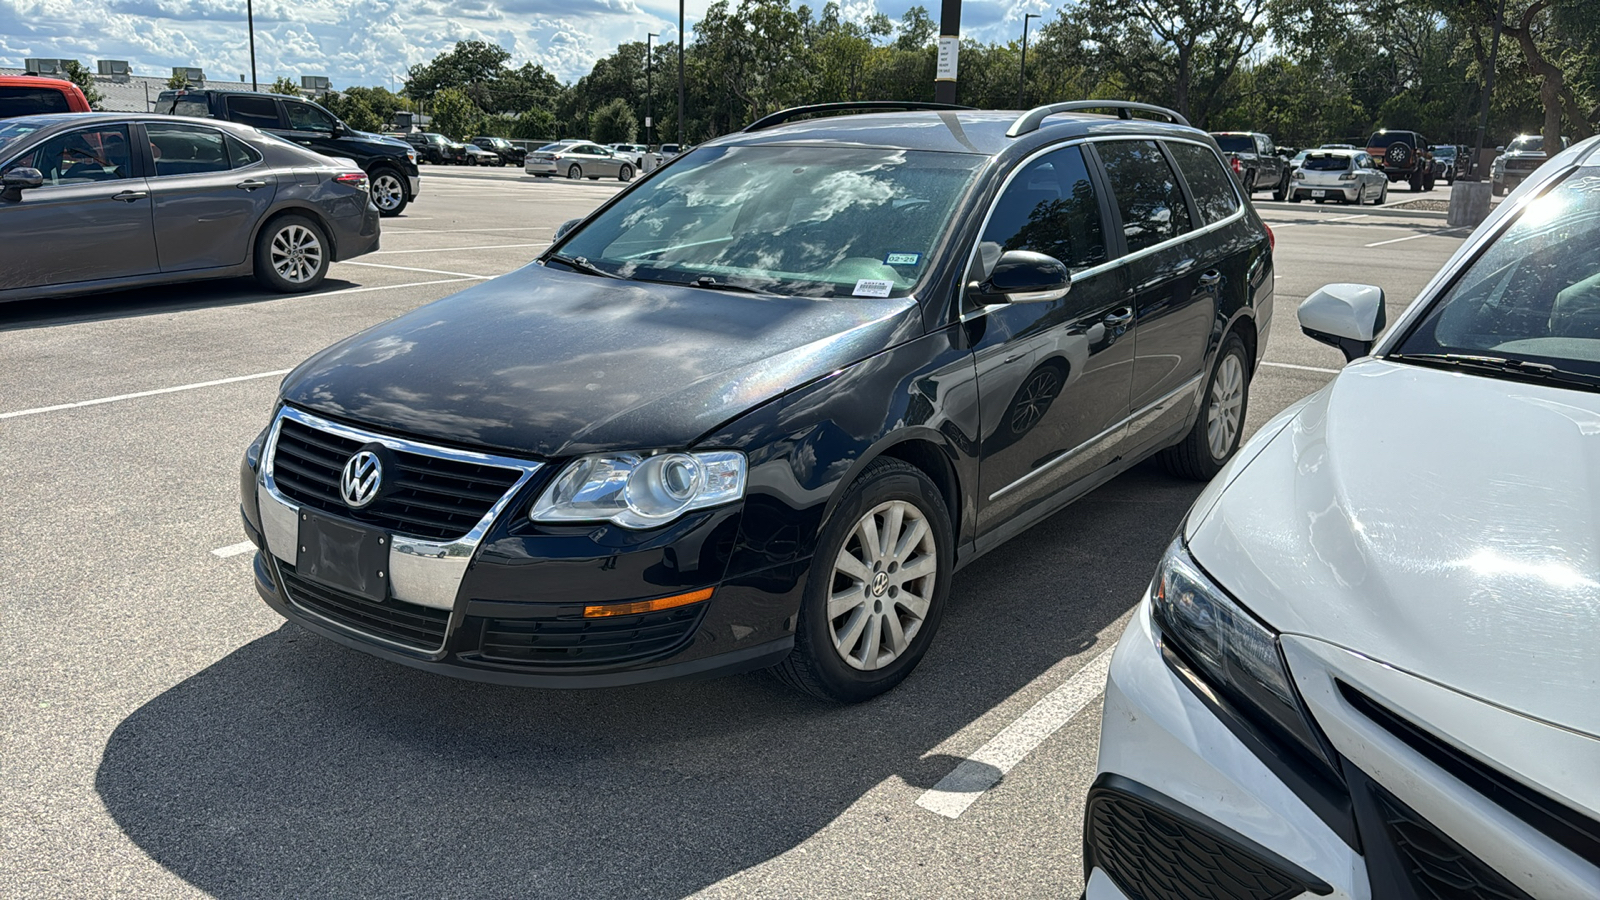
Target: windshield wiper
709	283
580	264
1502	366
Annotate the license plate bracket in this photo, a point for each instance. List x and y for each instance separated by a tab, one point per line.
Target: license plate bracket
343	555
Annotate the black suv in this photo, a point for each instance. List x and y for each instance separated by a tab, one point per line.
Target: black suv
1256	161
391	166
499	146
758	407
1403	156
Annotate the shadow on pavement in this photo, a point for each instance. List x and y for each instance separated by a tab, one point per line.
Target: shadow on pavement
294	767
158	300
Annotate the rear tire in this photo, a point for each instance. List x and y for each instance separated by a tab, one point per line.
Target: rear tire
1282	190
574	172
292	255
1215	436
882	619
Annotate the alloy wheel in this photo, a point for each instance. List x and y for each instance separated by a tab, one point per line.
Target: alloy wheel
387	192
1034	399
882	586
296	254
1227	399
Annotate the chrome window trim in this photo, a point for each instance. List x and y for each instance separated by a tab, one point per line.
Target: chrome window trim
1108	265
1076	451
422	572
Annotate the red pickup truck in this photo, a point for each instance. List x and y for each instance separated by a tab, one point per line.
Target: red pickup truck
30	95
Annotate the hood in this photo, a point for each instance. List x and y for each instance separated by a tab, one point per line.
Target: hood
547	363
380	139
1442	523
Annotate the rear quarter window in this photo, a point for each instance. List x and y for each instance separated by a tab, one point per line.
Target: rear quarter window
1211	184
31	101
261	112
1152	205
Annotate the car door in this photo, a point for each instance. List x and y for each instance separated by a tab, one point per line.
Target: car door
1171	276
89	221
309	126
209	191
1053	376
256	111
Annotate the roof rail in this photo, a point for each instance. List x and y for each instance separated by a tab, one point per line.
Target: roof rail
1029	121
778	118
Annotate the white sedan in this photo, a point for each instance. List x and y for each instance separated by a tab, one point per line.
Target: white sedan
1349	176
1369	663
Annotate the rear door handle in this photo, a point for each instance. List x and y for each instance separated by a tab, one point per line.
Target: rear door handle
1211	279
250	185
130	196
1121	317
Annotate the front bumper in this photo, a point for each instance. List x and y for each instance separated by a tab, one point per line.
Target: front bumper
414	185
1178	760
507	601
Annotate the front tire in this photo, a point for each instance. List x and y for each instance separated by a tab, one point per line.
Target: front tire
292	255
1282	190
877	586
388	192
625	173
1215	436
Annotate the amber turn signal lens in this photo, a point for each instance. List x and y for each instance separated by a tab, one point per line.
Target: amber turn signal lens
644	606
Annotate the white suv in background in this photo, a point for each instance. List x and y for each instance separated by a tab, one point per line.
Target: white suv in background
1369	663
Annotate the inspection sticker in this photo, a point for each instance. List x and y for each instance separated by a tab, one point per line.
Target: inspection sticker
872	287
902	259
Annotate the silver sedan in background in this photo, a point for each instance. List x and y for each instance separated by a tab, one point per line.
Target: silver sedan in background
106	201
1349	176
579	159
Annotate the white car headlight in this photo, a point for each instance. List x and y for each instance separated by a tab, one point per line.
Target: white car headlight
638	491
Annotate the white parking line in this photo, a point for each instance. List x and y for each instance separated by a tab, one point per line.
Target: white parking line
1348	218
1279	365
394	287
233	549
389	231
134	396
984	768
425	271
452	249
1412	237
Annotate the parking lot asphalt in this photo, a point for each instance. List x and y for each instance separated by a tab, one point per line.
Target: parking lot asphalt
166	734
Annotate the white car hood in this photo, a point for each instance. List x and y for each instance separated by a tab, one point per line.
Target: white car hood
1442	523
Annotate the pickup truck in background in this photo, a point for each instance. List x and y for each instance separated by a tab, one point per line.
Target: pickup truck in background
1254	159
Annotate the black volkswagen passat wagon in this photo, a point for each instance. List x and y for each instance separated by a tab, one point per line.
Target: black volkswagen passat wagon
757	409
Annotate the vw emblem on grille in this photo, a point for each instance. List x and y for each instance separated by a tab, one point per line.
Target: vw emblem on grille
363	476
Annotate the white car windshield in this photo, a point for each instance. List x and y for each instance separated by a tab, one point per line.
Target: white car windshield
1533	297
814	221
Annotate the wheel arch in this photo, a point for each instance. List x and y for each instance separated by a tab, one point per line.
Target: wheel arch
309	212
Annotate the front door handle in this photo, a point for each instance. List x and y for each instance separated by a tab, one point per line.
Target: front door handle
1121	317
250	185
1211	279
130	196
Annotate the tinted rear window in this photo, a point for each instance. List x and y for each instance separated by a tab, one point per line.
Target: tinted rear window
1209	182
1326	163
262	112
1236	143
31	101
1384	139
1152	205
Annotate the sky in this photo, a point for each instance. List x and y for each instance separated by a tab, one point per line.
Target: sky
373	42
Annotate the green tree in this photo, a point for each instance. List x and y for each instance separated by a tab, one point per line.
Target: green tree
177	82
614	123
358	115
473	67
535	125
79	75
455	115
285	86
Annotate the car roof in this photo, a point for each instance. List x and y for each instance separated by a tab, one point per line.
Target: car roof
981	132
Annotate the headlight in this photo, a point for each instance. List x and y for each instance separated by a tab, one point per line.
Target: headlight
1235	654
638	491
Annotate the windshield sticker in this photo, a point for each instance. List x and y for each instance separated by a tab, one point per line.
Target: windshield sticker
872	287
902	259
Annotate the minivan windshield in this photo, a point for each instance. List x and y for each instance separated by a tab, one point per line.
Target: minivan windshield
1529	307
812	221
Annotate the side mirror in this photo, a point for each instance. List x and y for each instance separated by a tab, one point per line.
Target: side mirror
18	180
1347	316
566	226
1023	276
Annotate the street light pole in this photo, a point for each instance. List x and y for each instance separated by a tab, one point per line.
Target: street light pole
680	75
649	66
250	17
1022	74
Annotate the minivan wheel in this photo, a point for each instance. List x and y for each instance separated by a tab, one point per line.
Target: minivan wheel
388	193
1215	435
876	589
292	255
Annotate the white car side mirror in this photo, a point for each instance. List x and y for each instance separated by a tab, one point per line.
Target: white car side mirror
1347	316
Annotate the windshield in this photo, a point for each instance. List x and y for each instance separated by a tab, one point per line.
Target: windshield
1327	162
814	221
1526	143
16	130
1534	295
1444	153
1236	143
